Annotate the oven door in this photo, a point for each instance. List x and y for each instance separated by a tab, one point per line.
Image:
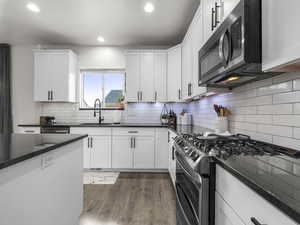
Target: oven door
188	189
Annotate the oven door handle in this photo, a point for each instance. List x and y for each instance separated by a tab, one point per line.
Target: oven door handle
178	187
195	180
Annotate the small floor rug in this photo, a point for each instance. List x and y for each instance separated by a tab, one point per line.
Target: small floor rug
100	177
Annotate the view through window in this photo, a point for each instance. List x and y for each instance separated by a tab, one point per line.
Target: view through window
108	86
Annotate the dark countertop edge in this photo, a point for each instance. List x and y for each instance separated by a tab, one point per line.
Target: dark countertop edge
93	126
40	152
294	215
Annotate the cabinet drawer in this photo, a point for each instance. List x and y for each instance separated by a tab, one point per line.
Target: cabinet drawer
91	131
30	130
133	131
246	202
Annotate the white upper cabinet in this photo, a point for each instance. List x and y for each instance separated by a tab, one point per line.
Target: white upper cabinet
174	74
133	76
55	75
280	35
208	18
147	77
160	76
187	65
197	43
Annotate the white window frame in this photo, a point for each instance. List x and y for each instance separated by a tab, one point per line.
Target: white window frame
100	71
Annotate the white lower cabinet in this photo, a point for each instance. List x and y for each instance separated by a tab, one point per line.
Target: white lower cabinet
122	152
224	214
245	203
133	152
100	148
143	152
124	148
161	149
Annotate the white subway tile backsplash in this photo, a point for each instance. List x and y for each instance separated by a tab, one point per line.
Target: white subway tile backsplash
288	97
280	109
263	119
267	110
297	108
287	142
296	85
297	133
287	120
275	130
276	88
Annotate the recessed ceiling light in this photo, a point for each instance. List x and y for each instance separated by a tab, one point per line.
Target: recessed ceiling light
100	39
33	7
149	7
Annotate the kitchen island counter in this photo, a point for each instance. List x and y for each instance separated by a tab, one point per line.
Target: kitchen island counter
15	148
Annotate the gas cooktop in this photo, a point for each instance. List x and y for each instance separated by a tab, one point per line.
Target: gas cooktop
223	147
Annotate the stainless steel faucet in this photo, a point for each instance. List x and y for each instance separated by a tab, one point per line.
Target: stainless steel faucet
99	112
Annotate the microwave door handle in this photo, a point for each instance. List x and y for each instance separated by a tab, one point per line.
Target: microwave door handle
225	58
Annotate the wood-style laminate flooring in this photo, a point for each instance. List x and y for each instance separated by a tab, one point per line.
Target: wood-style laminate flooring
135	199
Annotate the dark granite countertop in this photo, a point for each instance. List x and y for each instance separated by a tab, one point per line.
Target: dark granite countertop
15	148
142	125
275	178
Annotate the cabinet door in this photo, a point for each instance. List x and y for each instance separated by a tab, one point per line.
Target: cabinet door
224	214
132	76
144	152
100	152
160	76
186	66
60	76
280	35
42	76
174	74
161	149
122	152
197	43
86	154
147	77
208	19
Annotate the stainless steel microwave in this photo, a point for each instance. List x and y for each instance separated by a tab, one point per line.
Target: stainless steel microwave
233	54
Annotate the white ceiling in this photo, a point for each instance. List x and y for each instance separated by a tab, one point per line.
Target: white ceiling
79	22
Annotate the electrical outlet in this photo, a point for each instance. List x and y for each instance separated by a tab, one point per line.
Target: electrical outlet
47	160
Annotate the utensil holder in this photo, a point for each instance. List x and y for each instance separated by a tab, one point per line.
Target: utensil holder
221	124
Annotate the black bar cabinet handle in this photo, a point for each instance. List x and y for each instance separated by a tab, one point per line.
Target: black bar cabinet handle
88	142
48	95
212	18
255	222
51	95
173	153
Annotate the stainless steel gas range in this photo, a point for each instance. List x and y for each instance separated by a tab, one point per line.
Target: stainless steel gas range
196	156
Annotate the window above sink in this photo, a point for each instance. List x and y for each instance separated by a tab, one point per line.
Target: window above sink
106	85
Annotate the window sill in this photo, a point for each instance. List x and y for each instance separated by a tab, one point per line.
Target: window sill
92	109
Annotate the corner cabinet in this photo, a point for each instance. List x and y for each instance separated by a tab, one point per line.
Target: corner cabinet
146	75
55	75
280	35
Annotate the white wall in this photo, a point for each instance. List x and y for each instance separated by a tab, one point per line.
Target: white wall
24	109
